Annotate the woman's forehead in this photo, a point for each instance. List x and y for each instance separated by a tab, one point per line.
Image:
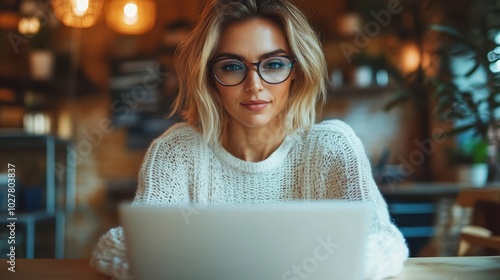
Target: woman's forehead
253	38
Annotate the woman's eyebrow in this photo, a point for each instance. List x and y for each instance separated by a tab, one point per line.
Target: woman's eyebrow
229	55
265	55
273	53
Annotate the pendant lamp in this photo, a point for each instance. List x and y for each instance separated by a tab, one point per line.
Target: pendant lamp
77	13
131	16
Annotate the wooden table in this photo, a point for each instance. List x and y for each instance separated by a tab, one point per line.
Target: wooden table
452	268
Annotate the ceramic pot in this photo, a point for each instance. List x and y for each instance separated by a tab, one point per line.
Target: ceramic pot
474	175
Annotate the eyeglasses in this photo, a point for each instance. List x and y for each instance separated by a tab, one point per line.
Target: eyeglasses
232	72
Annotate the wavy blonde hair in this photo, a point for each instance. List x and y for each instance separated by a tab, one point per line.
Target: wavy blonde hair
198	101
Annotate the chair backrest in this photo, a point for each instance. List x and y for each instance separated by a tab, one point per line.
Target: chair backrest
481	237
485	214
468	197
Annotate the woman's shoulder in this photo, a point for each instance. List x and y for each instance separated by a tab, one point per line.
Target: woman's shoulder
180	129
179	136
333	129
332	136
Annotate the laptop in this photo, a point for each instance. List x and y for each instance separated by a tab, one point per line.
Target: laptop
289	241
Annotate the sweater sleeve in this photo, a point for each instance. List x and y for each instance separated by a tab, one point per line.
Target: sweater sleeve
386	249
162	180
109	256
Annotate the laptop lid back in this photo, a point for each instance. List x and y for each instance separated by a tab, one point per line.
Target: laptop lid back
291	241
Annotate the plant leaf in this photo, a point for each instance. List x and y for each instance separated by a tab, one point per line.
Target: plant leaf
473	69
456	131
454	33
397	98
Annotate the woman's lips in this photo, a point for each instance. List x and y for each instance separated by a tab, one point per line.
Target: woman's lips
257	105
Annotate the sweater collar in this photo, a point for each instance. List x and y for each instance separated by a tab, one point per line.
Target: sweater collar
275	160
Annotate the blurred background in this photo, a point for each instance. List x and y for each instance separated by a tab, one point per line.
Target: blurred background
85	86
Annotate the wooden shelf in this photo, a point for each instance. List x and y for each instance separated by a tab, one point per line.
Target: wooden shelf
24	83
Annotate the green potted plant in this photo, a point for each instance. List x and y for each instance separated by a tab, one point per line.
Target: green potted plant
471	159
467	87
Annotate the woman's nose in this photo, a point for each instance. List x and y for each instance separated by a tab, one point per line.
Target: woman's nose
253	82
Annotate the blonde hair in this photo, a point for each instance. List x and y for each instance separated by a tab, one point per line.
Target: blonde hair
198	101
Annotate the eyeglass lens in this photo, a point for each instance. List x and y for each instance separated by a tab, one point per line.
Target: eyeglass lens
273	70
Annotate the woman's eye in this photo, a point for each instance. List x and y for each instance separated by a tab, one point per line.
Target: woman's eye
274	65
232	67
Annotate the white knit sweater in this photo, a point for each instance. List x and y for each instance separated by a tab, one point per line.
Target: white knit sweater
328	162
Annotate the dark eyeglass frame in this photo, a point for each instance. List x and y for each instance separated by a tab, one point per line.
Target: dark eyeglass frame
257	66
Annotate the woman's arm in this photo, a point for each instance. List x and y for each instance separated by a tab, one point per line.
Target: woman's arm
109	256
163	180
386	250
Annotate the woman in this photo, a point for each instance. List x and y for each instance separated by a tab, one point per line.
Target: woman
251	75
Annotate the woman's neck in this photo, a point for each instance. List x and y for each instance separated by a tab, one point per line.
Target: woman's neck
252	144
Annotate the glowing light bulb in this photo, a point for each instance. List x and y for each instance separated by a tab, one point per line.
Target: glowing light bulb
411	58
80	7
130	14
130	10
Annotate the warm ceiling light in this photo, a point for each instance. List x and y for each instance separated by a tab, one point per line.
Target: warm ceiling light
411	57
130	12
131	16
77	13
80	7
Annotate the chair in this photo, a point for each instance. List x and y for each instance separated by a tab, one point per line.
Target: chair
482	235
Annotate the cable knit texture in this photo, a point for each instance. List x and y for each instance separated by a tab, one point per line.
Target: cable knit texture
328	162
